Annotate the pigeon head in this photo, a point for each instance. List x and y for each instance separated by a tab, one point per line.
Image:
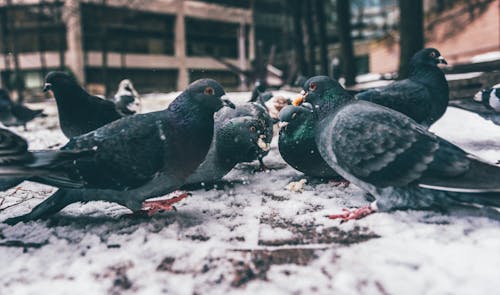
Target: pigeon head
242	139
58	80
323	93
483	95
427	56
126	85
208	93
295	115
260	86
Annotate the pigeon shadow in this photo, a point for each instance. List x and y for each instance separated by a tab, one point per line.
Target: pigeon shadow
217	185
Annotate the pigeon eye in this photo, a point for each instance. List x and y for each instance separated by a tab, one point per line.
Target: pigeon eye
253	129
432	54
312	86
294	115
209	91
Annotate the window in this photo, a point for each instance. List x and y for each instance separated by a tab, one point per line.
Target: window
207	37
228	79
233	3
125	30
34	28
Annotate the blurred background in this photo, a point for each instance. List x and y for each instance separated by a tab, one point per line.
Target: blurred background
162	45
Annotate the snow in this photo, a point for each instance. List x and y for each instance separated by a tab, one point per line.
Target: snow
463	76
252	236
489	56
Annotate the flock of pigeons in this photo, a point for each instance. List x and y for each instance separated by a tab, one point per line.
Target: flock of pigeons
378	140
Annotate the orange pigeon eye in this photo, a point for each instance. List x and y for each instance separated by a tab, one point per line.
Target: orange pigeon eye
209	91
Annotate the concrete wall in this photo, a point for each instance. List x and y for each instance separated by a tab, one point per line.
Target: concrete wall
179	61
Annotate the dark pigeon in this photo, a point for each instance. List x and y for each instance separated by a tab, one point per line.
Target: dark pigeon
127	161
297	145
79	112
15	114
127	99
393	158
259	87
423	96
241	135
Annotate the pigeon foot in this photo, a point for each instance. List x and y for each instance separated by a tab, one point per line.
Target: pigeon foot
262	167
343	183
358	213
152	207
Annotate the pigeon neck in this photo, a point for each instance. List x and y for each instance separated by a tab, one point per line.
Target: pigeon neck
69	95
434	79
184	106
331	102
192	115
427	74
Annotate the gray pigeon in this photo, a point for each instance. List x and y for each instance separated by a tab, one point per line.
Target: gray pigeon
423	96
393	158
241	135
79	112
127	161
127	99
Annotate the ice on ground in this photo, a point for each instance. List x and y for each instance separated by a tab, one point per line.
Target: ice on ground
252	236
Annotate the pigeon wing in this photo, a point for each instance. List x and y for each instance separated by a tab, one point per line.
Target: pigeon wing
407	97
128	152
385	148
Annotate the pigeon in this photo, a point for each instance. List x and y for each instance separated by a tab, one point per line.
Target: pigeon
241	135
393	158
79	112
127	99
489	97
15	114
423	96
296	142
272	103
259	87
485	103
127	161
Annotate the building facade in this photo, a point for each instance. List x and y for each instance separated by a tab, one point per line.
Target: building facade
161	45
461	30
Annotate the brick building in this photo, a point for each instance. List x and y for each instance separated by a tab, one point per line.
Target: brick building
461	30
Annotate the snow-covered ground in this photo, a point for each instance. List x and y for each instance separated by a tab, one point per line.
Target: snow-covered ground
251	236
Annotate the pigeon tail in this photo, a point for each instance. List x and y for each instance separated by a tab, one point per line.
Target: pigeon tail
49	167
480	177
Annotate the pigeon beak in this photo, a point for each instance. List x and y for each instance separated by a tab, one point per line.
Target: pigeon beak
300	99
478	97
441	60
227	103
282	124
47	87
